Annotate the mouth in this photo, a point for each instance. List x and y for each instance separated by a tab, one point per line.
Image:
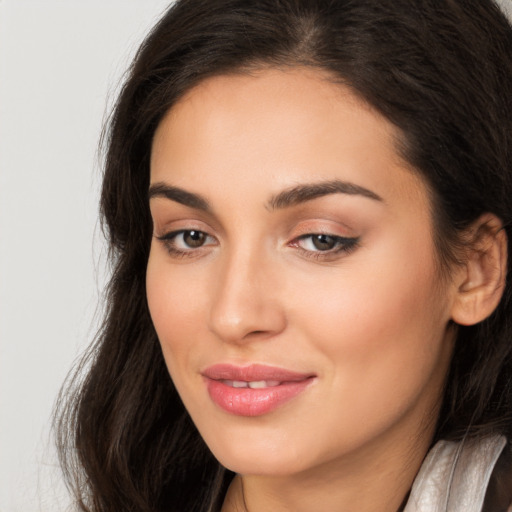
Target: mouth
253	390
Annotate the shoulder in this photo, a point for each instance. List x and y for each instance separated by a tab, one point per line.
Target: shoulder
473	475
498	497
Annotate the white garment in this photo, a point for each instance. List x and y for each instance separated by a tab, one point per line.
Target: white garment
455	475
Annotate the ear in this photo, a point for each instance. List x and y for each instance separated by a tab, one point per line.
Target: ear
481	280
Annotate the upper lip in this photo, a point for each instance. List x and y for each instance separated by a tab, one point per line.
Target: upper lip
252	373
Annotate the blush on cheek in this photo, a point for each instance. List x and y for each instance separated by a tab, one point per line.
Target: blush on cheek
171	298
377	312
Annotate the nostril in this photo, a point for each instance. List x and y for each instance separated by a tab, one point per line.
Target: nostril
257	334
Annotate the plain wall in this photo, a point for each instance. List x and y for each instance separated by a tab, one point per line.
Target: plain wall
60	64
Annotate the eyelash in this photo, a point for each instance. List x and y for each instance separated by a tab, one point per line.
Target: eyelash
343	245
169	242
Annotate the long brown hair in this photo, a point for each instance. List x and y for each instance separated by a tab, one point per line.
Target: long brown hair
441	71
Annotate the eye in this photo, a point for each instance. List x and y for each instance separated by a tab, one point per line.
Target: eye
191	239
324	245
319	242
185	241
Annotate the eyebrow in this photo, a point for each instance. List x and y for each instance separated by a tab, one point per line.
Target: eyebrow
179	195
309	191
285	199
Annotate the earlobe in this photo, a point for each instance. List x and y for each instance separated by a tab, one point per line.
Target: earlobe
482	277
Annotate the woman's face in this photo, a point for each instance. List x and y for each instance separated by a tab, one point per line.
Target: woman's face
292	278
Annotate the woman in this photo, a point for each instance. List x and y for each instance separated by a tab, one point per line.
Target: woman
308	207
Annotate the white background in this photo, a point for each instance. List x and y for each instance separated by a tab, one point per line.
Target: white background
60	66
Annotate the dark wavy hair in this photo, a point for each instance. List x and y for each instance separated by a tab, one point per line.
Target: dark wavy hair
439	70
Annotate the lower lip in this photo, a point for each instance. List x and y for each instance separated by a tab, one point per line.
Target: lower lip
254	402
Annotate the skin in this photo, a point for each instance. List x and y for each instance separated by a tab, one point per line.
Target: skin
371	323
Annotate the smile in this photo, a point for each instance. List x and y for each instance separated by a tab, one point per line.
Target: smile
255	384
254	390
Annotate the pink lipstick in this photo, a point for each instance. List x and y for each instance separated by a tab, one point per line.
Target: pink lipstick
253	390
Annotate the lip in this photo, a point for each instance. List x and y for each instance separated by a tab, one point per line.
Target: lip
245	401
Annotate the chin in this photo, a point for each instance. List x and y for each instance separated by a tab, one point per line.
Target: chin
260	454
275	465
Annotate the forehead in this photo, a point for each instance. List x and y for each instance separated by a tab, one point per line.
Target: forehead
277	128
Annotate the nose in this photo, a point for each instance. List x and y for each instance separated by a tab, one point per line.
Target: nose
245	305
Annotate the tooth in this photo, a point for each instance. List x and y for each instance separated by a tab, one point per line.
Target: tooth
257	384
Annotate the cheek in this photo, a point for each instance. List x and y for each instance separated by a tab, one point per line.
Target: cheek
377	303
389	290
175	299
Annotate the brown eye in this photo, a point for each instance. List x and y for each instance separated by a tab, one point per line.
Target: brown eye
323	245
185	242
194	239
324	242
